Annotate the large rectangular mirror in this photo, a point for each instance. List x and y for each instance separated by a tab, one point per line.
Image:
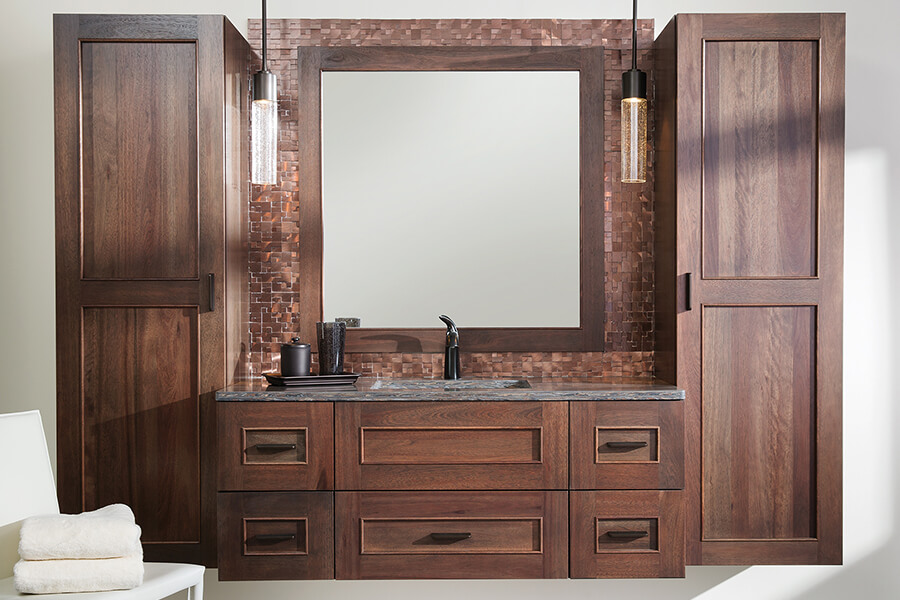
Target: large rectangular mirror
466	181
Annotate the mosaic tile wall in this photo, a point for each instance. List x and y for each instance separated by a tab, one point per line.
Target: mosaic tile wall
275	230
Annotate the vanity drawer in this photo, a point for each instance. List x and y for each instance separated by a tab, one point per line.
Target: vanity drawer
451	535
450	445
626	534
276	445
276	535
627	445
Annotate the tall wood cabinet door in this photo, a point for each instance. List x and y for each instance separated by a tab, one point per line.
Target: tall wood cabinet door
140	267
759	263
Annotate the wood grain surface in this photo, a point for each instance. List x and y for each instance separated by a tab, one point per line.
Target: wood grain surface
594	554
450	445
244	516
505	540
139	172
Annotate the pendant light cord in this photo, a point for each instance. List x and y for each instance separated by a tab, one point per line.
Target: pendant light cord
633	37
264	33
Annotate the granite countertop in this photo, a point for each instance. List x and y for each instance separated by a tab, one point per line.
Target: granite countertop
466	389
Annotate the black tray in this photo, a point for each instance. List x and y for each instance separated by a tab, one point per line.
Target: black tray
311	380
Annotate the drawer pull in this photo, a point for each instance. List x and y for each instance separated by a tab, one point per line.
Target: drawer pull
626	535
274	537
625	445
275	447
449	538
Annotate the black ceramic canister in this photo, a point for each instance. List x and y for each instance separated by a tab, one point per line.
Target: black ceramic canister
295	359
330	337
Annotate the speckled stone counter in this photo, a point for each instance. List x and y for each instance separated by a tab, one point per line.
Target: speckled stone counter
463	390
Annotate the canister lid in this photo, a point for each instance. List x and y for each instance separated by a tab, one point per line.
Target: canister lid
295	343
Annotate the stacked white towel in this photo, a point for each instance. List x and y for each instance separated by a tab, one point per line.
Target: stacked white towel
92	552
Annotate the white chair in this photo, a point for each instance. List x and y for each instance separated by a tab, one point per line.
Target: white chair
28	489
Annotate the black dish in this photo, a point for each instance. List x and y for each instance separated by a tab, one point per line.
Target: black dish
311	380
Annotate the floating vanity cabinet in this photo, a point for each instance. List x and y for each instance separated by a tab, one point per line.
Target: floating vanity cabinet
749	218
550	480
151	273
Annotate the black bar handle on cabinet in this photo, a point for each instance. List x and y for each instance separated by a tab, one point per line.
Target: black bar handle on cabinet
626	445
451	537
626	535
688	291
274	537
212	291
275	447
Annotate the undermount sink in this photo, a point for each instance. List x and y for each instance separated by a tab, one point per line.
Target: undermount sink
449	384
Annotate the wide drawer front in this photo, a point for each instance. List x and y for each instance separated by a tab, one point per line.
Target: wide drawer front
441	445
627	445
627	534
276	535
451	535
275	445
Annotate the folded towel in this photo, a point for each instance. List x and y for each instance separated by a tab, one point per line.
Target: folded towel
61	576
109	532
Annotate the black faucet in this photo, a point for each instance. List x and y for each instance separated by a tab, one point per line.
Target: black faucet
451	349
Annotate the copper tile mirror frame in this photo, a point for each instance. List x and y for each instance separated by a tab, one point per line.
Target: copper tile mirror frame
312	61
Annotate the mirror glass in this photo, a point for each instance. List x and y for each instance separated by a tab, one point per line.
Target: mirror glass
451	192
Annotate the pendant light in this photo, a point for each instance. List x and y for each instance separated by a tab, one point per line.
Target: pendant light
634	116
264	121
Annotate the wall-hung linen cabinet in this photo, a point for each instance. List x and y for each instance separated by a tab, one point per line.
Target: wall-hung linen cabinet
151	201
749	217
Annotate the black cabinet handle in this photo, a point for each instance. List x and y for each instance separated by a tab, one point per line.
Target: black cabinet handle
626	445
275	447
212	292
688	291
626	535
274	537
451	537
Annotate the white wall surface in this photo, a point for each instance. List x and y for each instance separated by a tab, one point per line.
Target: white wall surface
871	329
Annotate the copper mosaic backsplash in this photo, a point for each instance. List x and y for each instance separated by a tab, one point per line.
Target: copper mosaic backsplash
275	228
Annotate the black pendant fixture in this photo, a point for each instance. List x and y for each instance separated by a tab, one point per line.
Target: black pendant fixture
634	116
264	121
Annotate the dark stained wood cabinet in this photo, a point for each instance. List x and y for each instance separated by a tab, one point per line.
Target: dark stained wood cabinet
151	273
449	489
749	237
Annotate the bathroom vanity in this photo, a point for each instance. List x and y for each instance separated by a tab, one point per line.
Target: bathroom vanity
720	276
398	478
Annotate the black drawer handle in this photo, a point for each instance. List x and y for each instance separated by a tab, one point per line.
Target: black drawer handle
626	535
212	292
274	537
626	445
451	537
275	447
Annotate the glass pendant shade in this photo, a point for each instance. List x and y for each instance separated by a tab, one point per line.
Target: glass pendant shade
264	142
634	140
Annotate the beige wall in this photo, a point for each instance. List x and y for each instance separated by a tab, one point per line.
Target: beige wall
872	457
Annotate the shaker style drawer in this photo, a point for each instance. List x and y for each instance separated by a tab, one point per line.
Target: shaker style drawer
275	445
626	534
450	445
627	445
276	535
451	535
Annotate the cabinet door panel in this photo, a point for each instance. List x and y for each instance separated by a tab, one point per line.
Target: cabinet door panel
141	418
759	159
139	160
758	422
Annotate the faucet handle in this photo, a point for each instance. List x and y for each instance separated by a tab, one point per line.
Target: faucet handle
452	331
